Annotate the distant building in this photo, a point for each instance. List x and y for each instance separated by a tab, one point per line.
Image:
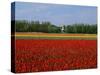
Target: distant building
62	28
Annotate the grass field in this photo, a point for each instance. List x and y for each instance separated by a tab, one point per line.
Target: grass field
28	35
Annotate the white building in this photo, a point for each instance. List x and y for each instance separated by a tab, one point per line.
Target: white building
62	28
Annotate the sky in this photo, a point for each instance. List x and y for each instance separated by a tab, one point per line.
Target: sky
57	14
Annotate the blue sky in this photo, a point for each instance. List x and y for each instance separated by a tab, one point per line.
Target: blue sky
55	13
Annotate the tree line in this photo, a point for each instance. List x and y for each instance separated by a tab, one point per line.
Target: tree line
47	27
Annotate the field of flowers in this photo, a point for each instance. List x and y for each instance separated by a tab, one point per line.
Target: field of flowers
35	55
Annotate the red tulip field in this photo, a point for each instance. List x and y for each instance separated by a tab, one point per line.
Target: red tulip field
36	55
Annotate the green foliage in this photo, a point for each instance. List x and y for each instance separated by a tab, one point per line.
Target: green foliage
47	27
81	28
21	26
